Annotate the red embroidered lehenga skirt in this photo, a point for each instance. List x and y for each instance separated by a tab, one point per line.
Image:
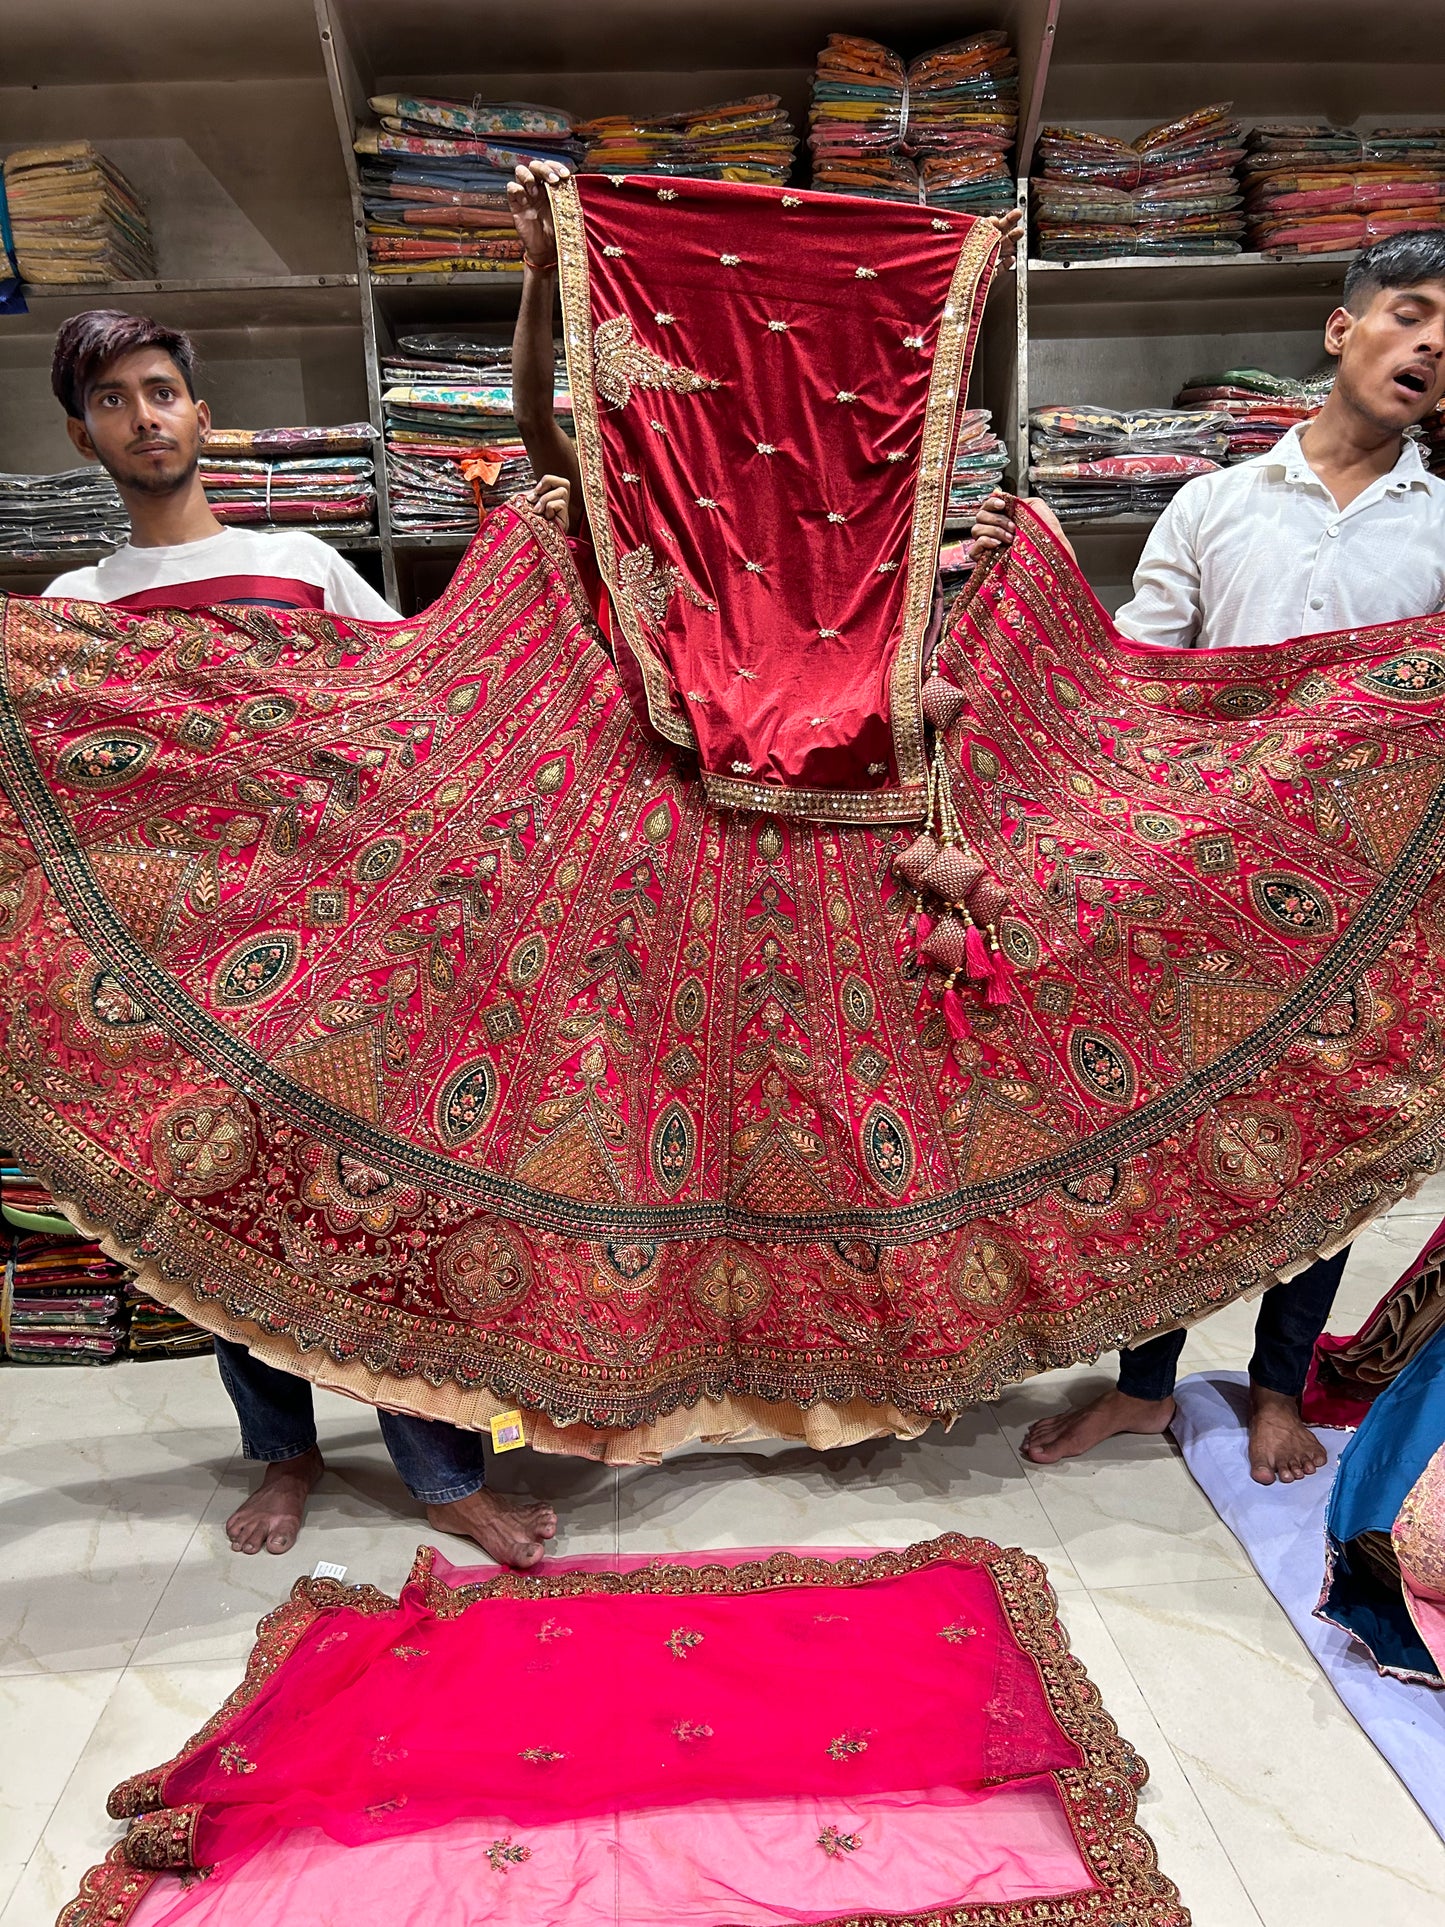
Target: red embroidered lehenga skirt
404	1009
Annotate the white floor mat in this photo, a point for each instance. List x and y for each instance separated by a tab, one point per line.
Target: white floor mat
1282	1528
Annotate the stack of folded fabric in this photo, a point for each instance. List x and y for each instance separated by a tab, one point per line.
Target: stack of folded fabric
256	488
1088	462
434	177
1259	407
66	1302
940	129
448	400
735	140
76	509
1173	190
979	461
74	217
155	1331
1313	188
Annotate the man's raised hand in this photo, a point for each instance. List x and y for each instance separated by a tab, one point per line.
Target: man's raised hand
531	211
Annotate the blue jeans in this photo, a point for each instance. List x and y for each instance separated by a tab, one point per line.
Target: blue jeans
1291	1317
438	1462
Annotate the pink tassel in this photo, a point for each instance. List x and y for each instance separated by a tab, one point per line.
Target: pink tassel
1001	979
954	1015
922	927
976	952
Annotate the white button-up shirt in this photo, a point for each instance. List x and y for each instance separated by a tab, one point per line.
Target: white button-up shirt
1261	552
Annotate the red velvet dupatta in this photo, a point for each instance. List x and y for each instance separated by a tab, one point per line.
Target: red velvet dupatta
742	1741
767	388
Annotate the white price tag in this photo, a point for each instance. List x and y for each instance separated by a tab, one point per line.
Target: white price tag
325	1570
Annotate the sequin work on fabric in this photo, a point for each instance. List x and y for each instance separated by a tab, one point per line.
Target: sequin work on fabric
404	1013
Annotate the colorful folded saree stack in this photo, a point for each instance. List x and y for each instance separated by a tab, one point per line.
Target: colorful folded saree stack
1172	191
939	129
734	140
1314	188
979	460
336	494
78	508
448	402
1257	407
771	1740
798	1023
64	1301
434	177
1089	462
74	217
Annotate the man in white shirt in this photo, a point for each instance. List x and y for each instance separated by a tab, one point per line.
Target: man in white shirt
127	385
1339	526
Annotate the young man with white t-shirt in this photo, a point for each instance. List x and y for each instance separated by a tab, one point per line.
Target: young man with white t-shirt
1339	526
127	385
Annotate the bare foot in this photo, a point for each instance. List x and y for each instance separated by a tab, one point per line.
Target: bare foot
513	1532
1281	1445
271	1517
1067	1434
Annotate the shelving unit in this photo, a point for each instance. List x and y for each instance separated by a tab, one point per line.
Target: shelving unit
237	124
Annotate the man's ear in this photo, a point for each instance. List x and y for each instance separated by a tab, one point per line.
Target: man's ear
1337	331
203	416
80	436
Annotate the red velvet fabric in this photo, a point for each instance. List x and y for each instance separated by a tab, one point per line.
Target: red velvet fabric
767	387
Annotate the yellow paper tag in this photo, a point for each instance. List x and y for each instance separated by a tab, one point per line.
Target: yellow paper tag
507	1433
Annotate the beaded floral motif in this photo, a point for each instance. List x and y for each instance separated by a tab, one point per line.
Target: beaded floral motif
681	1641
233	1759
689	1730
622	364
409	1652
507	1853
551	1629
540	1755
836	1844
847	1744
959	1631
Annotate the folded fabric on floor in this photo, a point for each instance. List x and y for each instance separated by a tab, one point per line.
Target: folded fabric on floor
939	130
734	140
1385	1527
1282	1531
1311	187
1088	462
1258	408
1172	191
434	177
448	401
78	508
74	217
771	1739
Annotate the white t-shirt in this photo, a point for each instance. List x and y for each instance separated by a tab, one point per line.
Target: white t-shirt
1261	552
286	570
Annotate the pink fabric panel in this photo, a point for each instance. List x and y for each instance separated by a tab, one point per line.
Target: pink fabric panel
752	1864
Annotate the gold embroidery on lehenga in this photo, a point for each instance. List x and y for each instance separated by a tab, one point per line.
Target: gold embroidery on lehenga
646	586
836	1843
540	1755
847	1744
622	363
506	1853
682	1640
233	1759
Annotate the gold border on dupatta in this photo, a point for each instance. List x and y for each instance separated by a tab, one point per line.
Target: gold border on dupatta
957	333
575	280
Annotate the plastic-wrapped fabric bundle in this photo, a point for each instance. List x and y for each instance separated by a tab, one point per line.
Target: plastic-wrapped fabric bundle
1313	188
78	508
979	460
334	491
1088	462
63	1299
343	439
734	140
448	399
434	179
939	130
1259	407
75	218
1171	191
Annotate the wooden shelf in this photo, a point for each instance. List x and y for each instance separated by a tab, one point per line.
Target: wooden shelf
1131	277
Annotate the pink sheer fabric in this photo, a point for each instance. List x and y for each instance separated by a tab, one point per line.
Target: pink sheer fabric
746	1741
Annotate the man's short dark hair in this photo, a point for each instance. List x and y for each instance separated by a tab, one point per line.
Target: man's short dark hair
88	343
1399	261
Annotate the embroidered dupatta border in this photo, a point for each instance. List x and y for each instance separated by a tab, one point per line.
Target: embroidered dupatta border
958	328
1099	1798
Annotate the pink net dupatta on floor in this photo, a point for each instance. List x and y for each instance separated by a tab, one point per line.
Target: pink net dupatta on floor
400	1007
740	1743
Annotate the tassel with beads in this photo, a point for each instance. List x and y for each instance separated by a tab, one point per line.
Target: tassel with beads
1001	978
955	1016
976	952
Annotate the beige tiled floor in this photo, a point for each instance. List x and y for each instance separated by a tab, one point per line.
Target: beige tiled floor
124	1618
